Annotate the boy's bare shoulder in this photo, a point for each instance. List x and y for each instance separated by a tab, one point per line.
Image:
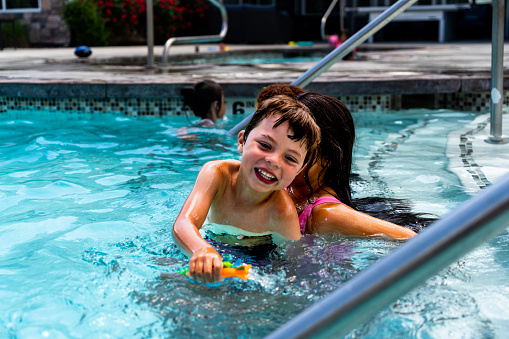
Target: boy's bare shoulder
217	175
283	216
226	166
282	205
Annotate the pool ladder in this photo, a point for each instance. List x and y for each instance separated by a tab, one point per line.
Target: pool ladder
326	16
198	39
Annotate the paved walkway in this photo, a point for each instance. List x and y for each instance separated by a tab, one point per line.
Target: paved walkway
472	58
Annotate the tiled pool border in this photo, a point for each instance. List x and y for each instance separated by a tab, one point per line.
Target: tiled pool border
173	106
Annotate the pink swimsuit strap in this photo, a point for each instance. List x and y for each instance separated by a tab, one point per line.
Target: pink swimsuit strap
304	216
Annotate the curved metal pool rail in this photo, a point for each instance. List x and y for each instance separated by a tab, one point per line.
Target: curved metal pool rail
340	52
323	22
442	243
198	39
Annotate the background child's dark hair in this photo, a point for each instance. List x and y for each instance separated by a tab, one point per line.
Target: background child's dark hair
335	149
278	89
201	96
301	121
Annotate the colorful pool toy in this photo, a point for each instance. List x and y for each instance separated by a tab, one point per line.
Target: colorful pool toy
229	270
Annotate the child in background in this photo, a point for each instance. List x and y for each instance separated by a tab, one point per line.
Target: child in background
249	194
278	89
206	100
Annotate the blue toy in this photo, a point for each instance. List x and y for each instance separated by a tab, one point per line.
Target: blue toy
83	51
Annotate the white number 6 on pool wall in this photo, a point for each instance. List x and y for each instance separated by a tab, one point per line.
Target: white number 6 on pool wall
240	106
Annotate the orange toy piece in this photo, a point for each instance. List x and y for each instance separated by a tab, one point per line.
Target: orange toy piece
229	271
239	271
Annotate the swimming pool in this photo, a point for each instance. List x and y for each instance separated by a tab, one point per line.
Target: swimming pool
204	59
88	200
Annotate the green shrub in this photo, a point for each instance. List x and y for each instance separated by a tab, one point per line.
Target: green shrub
86	24
21	31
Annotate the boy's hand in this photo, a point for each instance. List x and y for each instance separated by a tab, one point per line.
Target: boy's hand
206	266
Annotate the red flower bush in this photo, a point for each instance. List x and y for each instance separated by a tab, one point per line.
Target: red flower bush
127	19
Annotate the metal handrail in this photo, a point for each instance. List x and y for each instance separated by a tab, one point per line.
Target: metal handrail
497	74
325	17
346	47
442	243
149	4
198	39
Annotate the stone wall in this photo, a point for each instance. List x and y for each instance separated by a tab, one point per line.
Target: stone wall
48	28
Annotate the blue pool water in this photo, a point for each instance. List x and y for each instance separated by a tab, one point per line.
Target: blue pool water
252	58
87	203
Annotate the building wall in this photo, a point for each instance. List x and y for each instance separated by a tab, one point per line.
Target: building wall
48	28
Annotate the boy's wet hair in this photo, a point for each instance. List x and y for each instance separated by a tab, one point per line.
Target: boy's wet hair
298	116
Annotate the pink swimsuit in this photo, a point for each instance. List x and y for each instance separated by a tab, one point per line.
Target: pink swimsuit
304	216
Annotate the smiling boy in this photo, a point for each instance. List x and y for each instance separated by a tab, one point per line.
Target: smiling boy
249	194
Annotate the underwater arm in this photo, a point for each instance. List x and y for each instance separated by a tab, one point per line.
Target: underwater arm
340	218
205	263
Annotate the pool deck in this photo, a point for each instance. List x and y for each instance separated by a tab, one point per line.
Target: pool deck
382	69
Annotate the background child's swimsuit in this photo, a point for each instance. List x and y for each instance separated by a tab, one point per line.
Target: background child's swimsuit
304	216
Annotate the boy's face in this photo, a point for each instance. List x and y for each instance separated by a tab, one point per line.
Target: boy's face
270	159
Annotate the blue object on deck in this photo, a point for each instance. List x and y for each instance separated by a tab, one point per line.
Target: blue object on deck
83	51
304	43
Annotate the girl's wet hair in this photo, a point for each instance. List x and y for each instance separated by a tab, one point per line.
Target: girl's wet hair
397	211
334	153
298	116
201	96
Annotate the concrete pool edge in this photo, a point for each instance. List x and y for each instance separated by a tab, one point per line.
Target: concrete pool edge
166	88
463	93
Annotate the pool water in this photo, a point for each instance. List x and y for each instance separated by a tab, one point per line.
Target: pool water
87	203
211	56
